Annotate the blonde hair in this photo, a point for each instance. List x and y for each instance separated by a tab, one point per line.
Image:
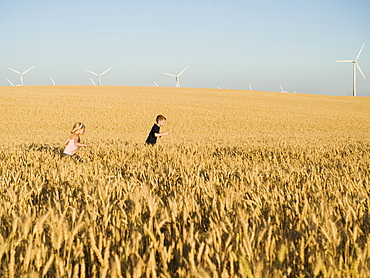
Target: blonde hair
77	126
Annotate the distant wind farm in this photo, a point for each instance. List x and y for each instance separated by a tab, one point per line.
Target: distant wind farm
98	82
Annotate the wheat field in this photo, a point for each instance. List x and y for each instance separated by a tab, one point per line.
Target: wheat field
247	184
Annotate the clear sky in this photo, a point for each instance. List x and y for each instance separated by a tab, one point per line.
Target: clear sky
225	43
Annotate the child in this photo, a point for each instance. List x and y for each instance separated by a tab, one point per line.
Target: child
154	132
72	143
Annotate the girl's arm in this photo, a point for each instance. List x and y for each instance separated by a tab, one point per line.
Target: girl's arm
82	145
76	138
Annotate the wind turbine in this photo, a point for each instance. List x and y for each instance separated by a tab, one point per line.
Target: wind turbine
176	76
355	65
98	75
52	80
282	91
21	74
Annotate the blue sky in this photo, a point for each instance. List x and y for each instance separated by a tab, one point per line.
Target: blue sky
225	43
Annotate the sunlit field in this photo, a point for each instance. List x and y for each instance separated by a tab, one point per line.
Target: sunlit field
247	184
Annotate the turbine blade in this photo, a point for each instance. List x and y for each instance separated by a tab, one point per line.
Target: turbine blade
105	71
183	71
92	72
10	82
358	67
52	80
345	61
92	81
358	55
28	70
14	70
169	74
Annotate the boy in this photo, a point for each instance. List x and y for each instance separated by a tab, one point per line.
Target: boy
154	132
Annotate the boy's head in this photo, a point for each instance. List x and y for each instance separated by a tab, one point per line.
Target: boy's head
160	120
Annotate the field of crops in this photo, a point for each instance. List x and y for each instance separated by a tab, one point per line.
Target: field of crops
247	184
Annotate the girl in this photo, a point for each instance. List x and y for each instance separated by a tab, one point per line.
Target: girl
73	141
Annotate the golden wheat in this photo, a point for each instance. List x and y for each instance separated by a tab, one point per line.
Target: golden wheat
248	184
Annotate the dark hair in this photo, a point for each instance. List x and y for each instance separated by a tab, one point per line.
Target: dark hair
160	118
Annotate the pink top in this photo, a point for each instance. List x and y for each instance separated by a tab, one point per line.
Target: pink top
71	148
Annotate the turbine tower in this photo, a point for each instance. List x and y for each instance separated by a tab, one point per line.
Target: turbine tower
176	76
98	75
21	74
355	65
